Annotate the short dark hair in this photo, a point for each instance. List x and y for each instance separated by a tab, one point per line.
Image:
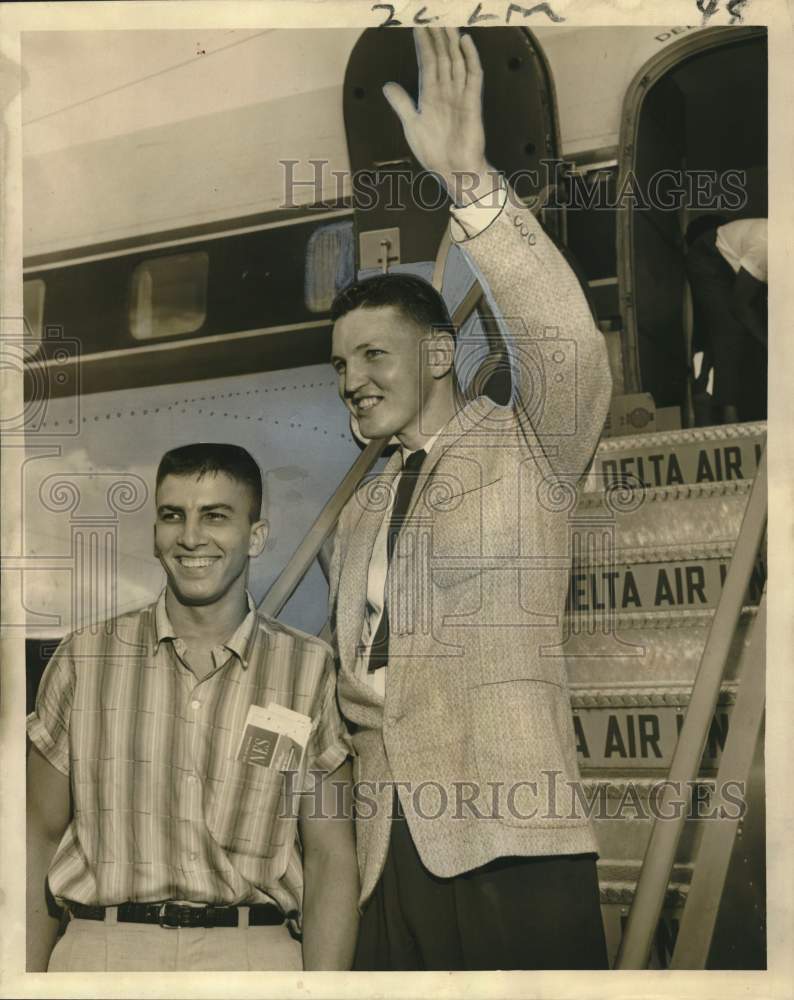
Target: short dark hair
416	298
702	224
205	457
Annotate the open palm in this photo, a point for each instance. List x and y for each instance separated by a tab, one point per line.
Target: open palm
445	129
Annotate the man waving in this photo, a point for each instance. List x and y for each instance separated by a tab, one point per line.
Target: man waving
449	575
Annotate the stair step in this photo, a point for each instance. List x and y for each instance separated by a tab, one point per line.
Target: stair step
613	870
620	893
634	520
623	811
607	697
667	458
617	882
663	578
646	648
621	732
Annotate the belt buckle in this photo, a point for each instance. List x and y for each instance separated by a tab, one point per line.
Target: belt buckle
162	916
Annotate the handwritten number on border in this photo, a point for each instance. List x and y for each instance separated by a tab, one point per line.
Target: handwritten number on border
477	16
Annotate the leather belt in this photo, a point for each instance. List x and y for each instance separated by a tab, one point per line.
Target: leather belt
173	915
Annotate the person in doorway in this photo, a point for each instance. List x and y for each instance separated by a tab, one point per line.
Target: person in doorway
726	263
448	579
177	851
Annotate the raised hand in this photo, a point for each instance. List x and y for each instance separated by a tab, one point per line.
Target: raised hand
445	130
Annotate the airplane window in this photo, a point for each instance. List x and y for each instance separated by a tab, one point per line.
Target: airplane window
169	296
330	264
33	307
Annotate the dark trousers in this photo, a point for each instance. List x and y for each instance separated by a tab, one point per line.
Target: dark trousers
739	361
514	913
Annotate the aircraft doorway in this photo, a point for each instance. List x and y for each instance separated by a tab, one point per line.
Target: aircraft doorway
694	142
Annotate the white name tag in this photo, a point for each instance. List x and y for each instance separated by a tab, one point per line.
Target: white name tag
274	737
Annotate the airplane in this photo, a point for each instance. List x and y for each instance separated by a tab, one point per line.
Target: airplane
189	216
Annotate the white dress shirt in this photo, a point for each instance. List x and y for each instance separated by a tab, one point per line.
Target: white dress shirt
376	582
743	244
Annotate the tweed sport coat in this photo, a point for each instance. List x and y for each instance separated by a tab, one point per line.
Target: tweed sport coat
476	706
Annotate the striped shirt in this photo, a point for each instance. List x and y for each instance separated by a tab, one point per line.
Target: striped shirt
162	810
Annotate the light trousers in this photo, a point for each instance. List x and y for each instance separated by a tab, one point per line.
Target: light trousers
108	946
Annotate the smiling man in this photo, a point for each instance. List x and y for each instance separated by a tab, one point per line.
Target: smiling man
384	378
448	580
168	845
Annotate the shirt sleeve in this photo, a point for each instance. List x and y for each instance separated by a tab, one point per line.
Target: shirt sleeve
754	254
475	218
48	723
329	744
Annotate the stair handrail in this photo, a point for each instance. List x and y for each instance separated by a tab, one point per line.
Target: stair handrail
715	852
304	555
660	853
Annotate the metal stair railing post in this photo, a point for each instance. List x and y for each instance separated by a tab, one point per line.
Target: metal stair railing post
305	554
702	905
662	845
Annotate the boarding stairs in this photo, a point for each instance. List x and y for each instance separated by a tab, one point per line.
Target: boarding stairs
645	586
653	533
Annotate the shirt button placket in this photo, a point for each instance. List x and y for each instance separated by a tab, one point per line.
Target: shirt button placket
192	779
194	788
190	855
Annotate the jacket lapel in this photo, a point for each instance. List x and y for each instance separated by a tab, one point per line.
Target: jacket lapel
352	600
472	414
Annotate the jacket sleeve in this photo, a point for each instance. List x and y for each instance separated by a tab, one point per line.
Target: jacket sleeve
561	379
339	540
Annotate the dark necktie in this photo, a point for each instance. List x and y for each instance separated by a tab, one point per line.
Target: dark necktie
379	651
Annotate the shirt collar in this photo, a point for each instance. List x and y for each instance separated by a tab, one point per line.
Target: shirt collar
407	452
236	643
